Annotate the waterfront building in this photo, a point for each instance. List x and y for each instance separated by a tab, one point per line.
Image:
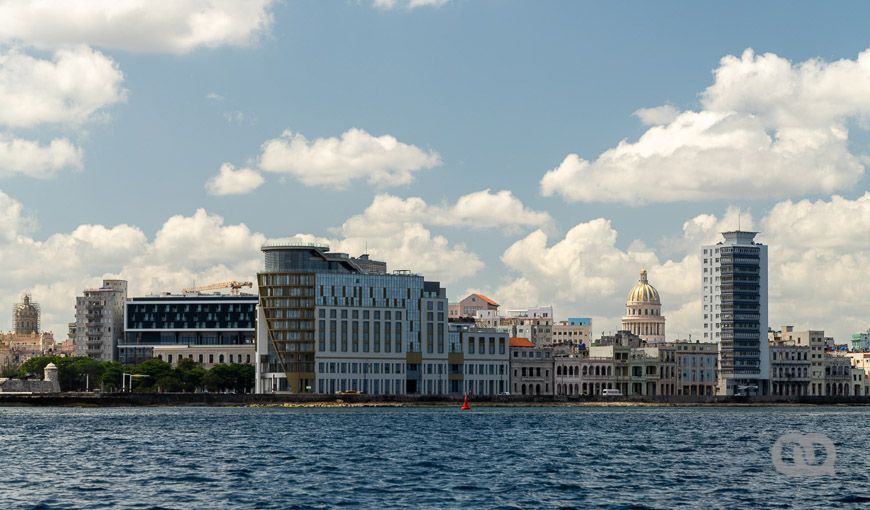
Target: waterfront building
734	308
187	321
574	331
582	375
478	361
206	355
696	365
813	340
635	368
643	311
860	382
100	320
531	368
535	324
838	375
327	323
791	364
471	305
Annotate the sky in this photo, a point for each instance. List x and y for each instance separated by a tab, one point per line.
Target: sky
540	152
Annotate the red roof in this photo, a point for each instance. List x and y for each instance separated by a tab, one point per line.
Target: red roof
486	299
521	342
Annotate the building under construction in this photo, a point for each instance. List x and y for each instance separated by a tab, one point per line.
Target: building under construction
25	316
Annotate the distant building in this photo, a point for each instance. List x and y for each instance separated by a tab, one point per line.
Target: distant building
574	331
535	324
472	304
734	308
643	311
861	341
189	320
100	320
25	316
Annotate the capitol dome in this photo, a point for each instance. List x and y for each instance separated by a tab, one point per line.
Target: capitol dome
643	292
643	311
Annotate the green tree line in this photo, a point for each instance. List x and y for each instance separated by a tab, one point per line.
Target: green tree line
80	373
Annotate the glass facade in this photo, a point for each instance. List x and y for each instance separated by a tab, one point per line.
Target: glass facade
185	320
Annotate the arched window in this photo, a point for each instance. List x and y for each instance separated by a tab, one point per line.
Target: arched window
221	358
584	370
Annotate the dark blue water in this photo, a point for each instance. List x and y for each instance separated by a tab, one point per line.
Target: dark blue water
423	458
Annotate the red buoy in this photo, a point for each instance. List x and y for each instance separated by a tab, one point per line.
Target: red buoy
465	406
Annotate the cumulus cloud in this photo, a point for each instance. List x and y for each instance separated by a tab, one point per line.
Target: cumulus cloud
30	158
230	181
186	249
71	88
767	128
407	4
478	210
135	25
586	273
819	267
336	162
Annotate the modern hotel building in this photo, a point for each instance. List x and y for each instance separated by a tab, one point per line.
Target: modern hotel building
734	301
329	322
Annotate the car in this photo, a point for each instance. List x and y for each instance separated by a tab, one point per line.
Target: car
347	393
504	394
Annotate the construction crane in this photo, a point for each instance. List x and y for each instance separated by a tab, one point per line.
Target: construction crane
234	287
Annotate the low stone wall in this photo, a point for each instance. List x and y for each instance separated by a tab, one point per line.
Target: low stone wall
28	386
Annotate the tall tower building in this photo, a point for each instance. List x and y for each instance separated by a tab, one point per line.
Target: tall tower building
734	308
643	311
25	316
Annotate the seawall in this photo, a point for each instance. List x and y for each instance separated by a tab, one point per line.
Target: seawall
221	399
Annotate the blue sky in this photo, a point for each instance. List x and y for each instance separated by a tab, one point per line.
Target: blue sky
502	91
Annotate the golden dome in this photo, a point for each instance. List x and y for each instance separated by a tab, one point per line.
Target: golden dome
643	292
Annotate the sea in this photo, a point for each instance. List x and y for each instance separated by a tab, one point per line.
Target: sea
517	457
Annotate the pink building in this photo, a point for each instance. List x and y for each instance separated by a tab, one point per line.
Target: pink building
469	306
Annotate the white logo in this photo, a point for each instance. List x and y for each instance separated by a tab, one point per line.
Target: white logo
803	458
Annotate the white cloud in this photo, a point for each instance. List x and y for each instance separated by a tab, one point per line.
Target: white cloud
820	263
336	162
186	250
407	4
478	210
658	115
28	157
135	25
768	128
230	181
72	88
586	274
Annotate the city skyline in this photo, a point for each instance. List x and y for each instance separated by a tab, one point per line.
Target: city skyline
125	174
